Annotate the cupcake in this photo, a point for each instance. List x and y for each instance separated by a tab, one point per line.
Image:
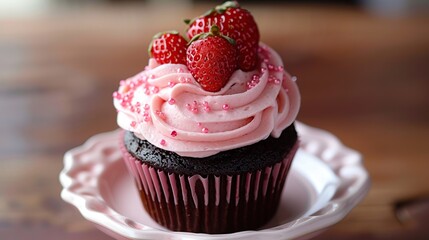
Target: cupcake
208	125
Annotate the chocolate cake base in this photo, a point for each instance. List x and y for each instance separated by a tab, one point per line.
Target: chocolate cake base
211	198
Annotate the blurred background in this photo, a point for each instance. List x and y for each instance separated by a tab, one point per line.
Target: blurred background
25	7
362	68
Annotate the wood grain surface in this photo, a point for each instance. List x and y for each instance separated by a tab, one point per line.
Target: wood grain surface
363	77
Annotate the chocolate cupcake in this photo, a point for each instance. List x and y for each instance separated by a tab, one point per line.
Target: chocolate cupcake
208	154
234	190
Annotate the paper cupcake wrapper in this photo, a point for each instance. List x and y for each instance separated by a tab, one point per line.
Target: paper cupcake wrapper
210	204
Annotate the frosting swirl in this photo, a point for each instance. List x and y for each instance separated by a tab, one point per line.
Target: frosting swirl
165	105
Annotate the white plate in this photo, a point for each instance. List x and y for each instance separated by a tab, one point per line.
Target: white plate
325	182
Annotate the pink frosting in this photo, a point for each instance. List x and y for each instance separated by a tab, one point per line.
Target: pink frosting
167	107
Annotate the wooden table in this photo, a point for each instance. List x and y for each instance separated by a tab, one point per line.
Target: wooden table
364	78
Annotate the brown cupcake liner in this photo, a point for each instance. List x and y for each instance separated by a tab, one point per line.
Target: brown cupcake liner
210	204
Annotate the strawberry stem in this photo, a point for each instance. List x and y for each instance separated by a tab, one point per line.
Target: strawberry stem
218	9
214	31
229	4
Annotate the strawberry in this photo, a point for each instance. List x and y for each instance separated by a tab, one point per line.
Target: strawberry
211	59
168	47
236	23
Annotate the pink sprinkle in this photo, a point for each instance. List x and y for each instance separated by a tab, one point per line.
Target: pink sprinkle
142	79
188	106
152	76
207	108
163	142
205	130
225	107
272	79
146	106
194	110
171	84
280	68
160	114
188	80
179	70
138	104
117	95
266	60
276	81
263	69
173	133
182	79
270	67
147	119
155	90
195	104
133	124
138	110
171	101
253	82
199	124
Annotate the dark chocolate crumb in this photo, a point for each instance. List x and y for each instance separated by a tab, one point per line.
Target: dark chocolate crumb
245	159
